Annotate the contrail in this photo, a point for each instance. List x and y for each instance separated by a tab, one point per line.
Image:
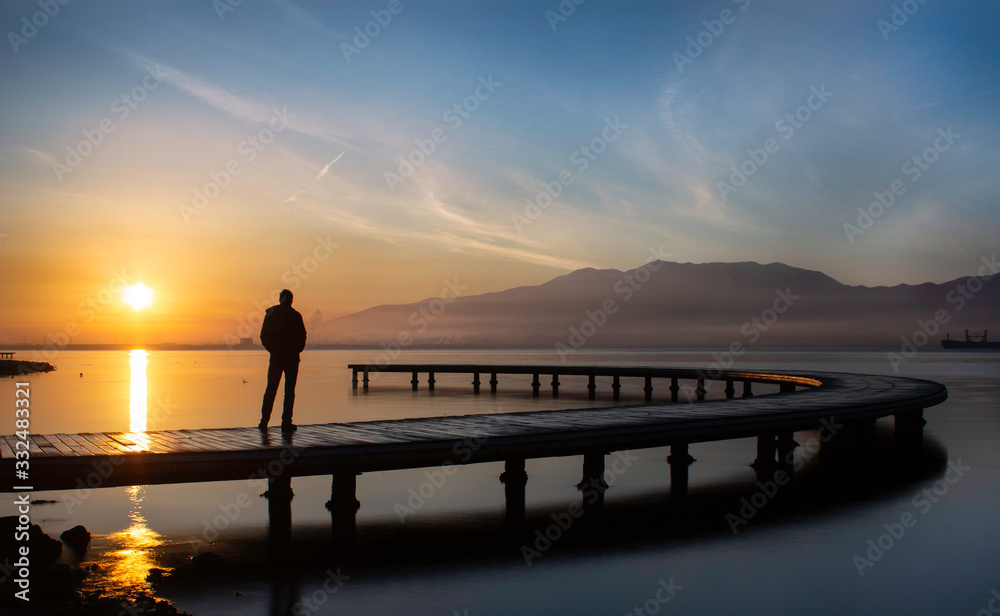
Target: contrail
319	175
294	197
323	171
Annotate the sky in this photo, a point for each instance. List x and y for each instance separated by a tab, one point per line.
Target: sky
367	153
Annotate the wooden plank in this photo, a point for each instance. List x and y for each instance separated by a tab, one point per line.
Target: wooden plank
229	438
38	445
71	444
458	429
338	434
6	451
164	443
82	447
370	431
171	441
108	442
123	439
41	440
212	442
95	444
190	440
64	449
196	443
243	436
12	443
417	432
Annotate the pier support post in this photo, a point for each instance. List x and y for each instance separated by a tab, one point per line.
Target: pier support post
475	383
514	478
675	389
591	386
535	384
909	432
786	447
730	390
414	381
699	390
555	385
343	507
430	381
648	389
493	382
282	564
592	485
279	509
747	389
354	378
616	386
679	461
364	379
766	450
909	423
862	433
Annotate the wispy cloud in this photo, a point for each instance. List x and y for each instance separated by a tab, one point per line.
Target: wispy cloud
326	168
322	172
294	197
37	156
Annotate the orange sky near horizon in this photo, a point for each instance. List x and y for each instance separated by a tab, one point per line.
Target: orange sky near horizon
205	294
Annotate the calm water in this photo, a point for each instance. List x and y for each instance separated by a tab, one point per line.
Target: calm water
449	556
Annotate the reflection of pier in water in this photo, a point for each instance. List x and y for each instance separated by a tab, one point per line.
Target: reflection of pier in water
806	401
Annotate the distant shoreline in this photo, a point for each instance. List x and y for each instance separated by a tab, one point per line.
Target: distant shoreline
44	351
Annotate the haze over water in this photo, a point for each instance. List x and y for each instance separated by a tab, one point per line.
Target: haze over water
448	555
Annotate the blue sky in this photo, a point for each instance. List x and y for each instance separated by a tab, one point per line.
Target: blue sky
656	185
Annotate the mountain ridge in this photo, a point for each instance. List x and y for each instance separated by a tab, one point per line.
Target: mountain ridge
665	304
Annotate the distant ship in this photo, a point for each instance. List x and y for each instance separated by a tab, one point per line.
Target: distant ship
973	340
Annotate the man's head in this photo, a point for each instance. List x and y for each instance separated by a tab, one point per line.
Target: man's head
285	297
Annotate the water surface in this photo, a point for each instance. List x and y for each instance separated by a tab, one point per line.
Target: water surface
450	555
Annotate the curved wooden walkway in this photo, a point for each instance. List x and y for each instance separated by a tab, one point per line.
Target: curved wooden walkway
67	461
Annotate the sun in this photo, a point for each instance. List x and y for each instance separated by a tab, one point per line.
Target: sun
138	295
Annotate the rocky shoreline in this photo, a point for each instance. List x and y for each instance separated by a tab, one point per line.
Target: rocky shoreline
13	367
53	589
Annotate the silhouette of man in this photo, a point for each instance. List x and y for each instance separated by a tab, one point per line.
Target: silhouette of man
283	334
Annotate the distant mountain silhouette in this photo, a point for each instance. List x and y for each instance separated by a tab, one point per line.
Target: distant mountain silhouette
680	306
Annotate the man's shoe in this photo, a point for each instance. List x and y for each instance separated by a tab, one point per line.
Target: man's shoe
289	428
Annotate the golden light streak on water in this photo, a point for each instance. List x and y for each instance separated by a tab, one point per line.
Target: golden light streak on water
131	549
138	359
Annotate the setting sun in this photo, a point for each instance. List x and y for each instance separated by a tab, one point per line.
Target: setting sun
138	296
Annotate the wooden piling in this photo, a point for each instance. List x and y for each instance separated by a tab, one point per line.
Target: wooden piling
514	478
679	461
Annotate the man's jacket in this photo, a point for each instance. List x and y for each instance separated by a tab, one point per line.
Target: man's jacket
283	333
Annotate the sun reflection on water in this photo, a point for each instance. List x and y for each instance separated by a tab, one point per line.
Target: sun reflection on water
138	359
130	555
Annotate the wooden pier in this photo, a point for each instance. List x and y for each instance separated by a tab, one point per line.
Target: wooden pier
807	400
786	381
